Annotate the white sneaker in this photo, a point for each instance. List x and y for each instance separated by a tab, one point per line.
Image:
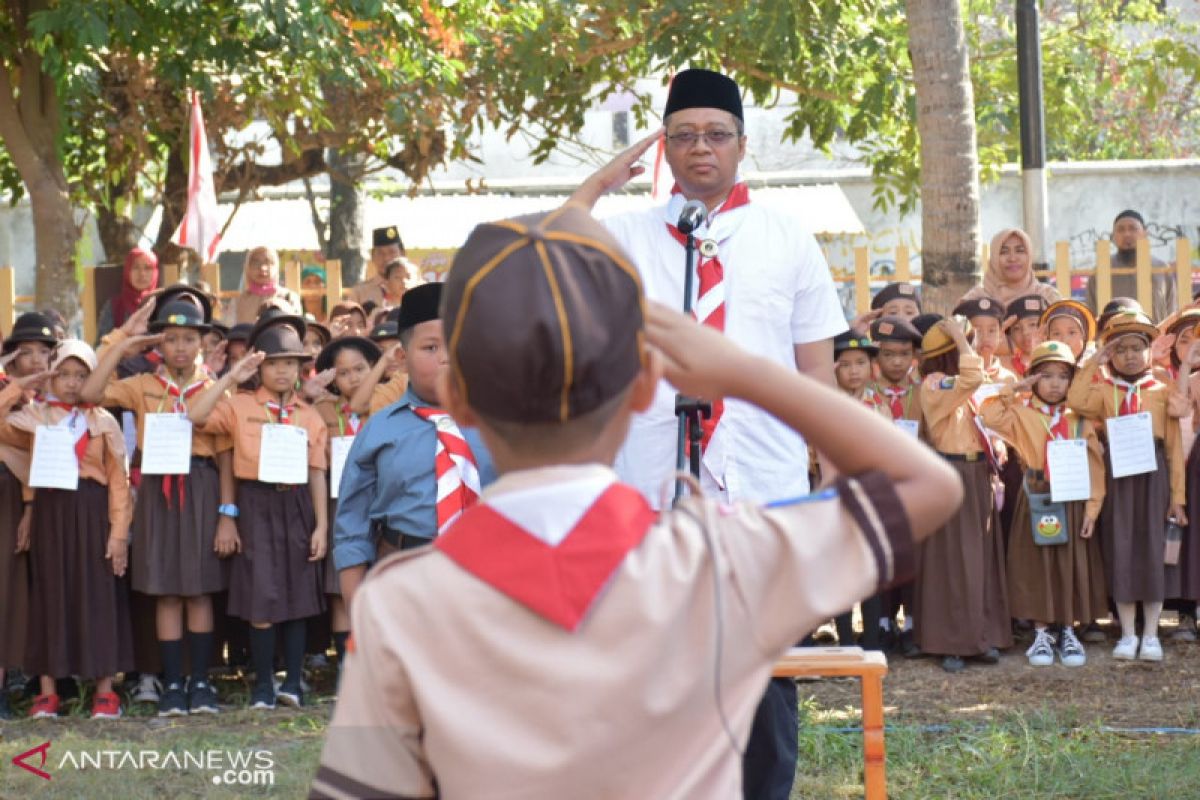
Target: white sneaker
148	690
1070	650
1151	650
1041	652
1126	649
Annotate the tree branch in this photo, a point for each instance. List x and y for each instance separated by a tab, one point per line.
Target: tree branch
807	91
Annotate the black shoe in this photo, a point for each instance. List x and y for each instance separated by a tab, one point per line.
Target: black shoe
202	698
908	645
953	664
1094	634
888	642
263	697
291	695
173	702
5	711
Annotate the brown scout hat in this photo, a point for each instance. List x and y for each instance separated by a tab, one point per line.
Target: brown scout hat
980	307
1049	351
895	291
1075	310
1027	306
544	317
1125	323
895	329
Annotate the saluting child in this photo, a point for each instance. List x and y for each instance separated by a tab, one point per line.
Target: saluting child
79	619
27	353
176	553
279	446
1137	506
351	358
1069	322
897	300
411	470
853	367
898	384
1059	583
961	598
1022	327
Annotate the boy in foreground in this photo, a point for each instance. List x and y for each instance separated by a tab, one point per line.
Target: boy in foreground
562	639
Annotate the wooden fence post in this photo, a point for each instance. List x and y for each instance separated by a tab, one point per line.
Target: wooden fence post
333	283
89	303
1062	268
291	277
8	298
903	267
1183	272
862	279
1103	276
170	273
1145	286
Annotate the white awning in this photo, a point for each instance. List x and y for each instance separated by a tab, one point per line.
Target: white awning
444	221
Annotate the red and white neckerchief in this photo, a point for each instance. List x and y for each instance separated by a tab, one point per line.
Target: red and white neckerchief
348	421
897	398
871	398
558	577
1057	427
283	413
455	468
76	421
1131	402
709	307
1019	367
179	394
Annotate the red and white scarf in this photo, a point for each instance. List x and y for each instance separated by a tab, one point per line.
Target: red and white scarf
457	473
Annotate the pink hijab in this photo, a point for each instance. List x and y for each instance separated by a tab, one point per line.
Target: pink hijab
996	287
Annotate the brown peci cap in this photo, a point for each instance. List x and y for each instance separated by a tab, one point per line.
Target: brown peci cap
544	317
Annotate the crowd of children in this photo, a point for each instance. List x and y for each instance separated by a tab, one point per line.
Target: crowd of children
168	501
198	493
1072	439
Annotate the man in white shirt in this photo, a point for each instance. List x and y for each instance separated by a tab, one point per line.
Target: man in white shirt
762	279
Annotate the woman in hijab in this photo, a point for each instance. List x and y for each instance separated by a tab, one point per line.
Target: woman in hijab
138	280
1009	272
261	286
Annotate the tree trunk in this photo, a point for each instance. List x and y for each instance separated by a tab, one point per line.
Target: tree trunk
347	199
949	163
29	129
118	234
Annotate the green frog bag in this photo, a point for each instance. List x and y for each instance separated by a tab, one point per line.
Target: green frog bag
1047	519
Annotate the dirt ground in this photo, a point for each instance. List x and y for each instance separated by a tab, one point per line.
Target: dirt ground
1120	694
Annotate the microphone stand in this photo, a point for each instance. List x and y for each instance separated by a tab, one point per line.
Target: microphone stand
689	410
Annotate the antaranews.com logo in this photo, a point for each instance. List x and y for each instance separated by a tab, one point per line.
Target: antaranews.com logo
250	767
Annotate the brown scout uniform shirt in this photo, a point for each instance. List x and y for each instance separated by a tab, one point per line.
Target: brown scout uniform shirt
241	416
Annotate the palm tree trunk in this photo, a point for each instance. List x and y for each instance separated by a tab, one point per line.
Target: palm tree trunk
949	163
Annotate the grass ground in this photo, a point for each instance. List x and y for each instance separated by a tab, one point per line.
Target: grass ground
1008	731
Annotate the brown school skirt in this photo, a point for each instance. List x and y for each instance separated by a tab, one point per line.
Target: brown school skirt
272	580
329	576
79	614
1058	583
171	550
14	574
1189	553
960	596
1135	521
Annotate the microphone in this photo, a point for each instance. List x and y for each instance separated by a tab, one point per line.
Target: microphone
692	216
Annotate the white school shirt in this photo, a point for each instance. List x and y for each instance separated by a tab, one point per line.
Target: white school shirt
778	293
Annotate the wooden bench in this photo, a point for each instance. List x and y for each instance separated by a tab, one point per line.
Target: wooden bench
869	667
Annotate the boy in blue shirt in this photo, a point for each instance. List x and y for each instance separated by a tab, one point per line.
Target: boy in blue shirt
411	471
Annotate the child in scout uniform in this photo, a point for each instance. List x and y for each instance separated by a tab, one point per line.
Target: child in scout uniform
961	598
898	382
563	577
79	537
351	358
1022	327
26	353
1069	322
897	300
279	461
411	469
1146	484
176	554
854	361
1116	306
1055	569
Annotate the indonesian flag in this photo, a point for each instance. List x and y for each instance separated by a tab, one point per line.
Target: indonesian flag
199	229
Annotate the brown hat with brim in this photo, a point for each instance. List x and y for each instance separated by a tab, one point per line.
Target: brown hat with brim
280	341
544	317
1129	323
1072	309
